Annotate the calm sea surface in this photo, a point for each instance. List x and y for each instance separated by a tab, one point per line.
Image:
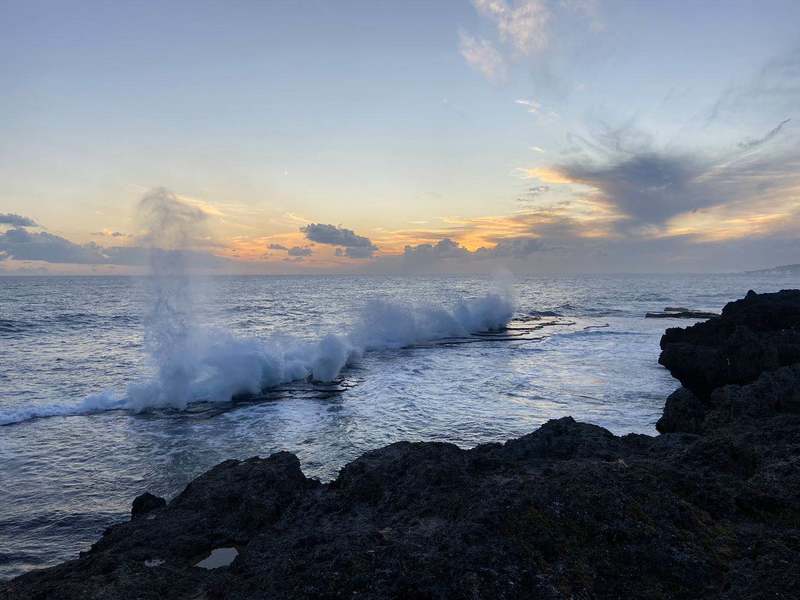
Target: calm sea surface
108	390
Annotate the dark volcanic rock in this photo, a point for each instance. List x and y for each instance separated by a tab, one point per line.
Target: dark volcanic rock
681	314
758	333
683	411
568	511
145	503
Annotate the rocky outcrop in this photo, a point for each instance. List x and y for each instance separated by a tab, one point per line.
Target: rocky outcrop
756	334
683	411
145	503
710	510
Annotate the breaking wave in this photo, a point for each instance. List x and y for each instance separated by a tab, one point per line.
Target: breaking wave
195	364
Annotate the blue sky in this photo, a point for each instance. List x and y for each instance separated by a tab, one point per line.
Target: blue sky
554	135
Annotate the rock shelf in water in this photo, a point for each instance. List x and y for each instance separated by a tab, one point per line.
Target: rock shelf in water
710	508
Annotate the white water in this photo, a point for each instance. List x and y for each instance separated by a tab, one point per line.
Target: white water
195	363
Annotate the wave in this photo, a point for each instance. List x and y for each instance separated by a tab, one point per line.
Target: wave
13	326
64	321
196	364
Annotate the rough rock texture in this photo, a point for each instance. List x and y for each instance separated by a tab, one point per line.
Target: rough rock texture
756	334
683	411
568	511
145	503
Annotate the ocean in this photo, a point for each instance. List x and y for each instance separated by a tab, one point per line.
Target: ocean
111	386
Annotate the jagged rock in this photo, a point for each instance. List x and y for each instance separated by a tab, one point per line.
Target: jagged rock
683	412
145	503
773	393
758	333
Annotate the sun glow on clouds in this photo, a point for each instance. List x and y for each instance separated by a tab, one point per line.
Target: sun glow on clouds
771	214
547	175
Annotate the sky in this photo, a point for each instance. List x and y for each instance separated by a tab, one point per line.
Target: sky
539	136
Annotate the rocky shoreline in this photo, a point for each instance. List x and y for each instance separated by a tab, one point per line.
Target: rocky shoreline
708	508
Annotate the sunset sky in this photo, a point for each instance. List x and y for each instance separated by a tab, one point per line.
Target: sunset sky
403	137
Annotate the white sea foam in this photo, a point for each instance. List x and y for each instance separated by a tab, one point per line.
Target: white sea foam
194	364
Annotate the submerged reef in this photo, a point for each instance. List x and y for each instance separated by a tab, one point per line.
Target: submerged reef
709	508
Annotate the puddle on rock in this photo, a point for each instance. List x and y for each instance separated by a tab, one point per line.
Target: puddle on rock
219	557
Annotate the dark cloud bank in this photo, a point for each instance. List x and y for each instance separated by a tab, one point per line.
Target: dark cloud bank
16	220
172	228
24	245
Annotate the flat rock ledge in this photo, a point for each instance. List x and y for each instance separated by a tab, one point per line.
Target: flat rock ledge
708	509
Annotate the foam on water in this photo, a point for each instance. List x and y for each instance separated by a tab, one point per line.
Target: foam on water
194	363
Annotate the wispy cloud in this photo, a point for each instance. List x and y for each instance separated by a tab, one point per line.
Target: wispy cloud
751	144
658	191
523	26
482	56
531	105
773	89
522	30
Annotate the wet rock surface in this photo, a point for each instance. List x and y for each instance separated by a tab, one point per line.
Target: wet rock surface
710	509
680	313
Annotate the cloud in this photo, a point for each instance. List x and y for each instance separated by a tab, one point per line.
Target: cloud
109	233
172	228
448	250
532	106
16	220
751	144
649	186
775	88
482	56
523	27
333	235
354	246
300	251
426	253
513	248
522	30
22	245
533	193
357	251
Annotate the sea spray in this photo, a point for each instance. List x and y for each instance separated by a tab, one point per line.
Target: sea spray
170	229
191	362
213	365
